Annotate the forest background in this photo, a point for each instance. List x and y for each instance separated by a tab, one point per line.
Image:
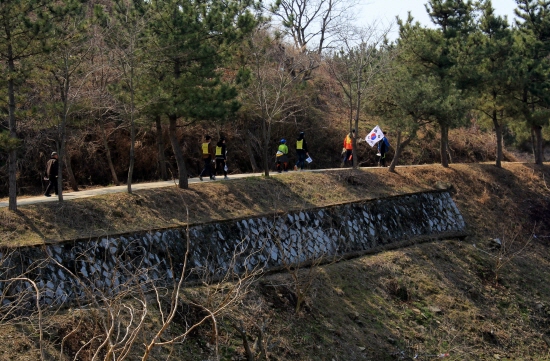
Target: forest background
125	90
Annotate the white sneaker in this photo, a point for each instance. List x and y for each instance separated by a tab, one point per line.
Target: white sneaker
226	177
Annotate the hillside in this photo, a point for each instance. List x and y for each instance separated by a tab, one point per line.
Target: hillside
476	299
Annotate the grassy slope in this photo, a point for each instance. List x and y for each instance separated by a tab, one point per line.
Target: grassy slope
426	299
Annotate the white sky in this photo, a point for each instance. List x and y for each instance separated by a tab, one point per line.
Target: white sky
385	11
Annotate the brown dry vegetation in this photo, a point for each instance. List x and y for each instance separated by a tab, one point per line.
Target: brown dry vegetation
439	297
480	188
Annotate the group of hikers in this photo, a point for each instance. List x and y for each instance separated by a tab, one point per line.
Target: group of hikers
347	152
218	154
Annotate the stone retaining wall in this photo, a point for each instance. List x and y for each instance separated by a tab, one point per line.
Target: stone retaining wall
70	271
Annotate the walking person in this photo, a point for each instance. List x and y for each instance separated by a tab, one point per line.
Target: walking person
52	169
282	156
383	147
208	157
221	158
348	148
301	151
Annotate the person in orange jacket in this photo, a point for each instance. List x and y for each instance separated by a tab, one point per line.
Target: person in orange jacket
348	148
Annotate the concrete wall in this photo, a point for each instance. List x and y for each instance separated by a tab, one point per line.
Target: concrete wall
78	270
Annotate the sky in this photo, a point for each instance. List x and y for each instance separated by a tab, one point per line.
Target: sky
385	11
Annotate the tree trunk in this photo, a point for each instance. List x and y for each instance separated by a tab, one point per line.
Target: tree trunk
537	145
108	151
12	158
498	132
70	174
60	156
354	140
266	132
266	159
132	139
160	144
444	145
178	153
253	163
399	150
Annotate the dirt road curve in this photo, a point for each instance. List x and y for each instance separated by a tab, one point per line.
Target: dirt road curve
138	186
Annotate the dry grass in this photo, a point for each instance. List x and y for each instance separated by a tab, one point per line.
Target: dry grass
478	188
419	301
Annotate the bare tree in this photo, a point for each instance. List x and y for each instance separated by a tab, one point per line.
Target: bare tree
125	38
363	57
314	24
272	95
66	61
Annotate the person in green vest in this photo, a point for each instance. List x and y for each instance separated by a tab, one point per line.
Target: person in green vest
221	158
301	151
282	156
208	155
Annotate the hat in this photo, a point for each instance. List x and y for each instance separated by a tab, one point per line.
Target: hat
54	153
353	130
283	141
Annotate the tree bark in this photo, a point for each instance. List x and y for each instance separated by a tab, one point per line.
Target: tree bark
12	158
444	145
266	132
498	133
249	149
160	144
399	150
354	140
266	161
132	133
178	153
70	174
108	151
537	145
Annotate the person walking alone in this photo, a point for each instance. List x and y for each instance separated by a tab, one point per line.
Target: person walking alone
221	158
208	157
52	170
301	151
383	147
348	148
282	157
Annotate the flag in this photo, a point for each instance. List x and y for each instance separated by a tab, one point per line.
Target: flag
374	136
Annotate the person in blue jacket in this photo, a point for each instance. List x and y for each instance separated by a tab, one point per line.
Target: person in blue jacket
383	147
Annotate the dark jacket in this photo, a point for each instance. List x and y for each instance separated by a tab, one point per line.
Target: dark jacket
304	145
52	168
224	151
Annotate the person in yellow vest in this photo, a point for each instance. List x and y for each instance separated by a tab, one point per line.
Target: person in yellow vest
282	157
301	151
221	158
208	154
348	148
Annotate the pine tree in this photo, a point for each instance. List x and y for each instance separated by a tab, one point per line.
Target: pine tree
497	71
533	50
126	37
25	32
190	40
437	52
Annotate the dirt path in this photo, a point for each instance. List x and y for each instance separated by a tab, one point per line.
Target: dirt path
69	195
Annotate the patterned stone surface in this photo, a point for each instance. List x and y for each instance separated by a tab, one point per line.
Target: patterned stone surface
81	270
